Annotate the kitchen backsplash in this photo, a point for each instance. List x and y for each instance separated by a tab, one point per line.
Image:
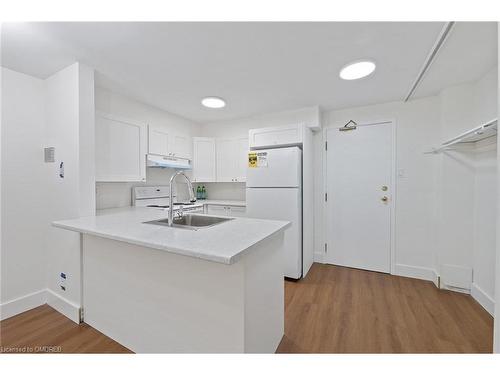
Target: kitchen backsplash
224	190
119	194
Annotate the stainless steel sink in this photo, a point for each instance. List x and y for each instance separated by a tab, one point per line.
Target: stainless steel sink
192	221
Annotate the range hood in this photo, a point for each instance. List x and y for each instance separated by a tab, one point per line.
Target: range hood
160	161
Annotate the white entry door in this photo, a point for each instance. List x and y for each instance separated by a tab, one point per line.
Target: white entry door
359	201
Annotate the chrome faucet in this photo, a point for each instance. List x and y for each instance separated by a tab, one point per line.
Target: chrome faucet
171	205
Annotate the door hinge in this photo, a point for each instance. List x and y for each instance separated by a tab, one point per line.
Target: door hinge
326	197
326	247
326	145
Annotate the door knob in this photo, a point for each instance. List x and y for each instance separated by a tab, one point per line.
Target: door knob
384	199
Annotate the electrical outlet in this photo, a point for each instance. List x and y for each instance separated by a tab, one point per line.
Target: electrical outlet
62	281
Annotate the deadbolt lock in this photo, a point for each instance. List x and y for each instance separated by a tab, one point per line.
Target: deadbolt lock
384	188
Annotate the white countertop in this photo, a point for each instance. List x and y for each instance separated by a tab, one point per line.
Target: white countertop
223	243
222	202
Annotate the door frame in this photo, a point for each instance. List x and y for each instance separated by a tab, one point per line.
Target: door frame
392	241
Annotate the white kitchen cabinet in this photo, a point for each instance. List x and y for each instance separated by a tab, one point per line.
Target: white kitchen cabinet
234	211
120	147
280	136
231	159
181	146
241	159
204	159
216	210
158	141
167	143
225	159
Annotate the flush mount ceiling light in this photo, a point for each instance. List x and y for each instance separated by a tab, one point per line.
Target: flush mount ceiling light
213	102
357	70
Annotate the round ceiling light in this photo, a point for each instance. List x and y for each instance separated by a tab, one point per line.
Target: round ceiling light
357	70
213	102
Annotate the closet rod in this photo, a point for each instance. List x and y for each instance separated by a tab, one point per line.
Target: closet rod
430	58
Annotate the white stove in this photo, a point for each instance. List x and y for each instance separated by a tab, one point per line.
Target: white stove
158	197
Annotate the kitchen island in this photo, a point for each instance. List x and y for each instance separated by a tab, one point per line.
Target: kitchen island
161	289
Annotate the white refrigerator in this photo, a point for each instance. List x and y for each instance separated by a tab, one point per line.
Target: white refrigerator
274	191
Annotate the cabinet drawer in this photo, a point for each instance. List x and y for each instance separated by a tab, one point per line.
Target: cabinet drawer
237	211
216	210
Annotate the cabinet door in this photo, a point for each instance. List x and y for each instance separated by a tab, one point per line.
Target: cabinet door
216	210
236	211
276	136
226	162
181	146
158	141
241	159
204	159
120	149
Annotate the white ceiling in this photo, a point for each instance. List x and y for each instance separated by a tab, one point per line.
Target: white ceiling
468	53
256	67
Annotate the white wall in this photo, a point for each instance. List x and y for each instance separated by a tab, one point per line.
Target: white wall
58	112
23	197
70	129
115	194
467	180
496	332
417	125
485	215
485	218
456	189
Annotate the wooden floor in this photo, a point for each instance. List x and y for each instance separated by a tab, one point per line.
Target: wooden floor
45	330
333	310
343	310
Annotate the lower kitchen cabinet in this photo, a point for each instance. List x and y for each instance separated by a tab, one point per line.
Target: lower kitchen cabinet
235	211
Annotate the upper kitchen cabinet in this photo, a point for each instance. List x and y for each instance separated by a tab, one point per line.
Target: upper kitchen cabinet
204	159
158	141
181	146
120	149
231	159
225	160
241	159
280	136
168	143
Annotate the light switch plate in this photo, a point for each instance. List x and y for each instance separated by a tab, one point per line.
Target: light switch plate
49	154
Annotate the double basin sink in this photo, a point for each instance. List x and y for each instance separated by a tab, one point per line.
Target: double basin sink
191	221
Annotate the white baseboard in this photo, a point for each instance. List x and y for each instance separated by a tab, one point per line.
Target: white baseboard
415	272
22	304
46	296
483	298
318	257
65	307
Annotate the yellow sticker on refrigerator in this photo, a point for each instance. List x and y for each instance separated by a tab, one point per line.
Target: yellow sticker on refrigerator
252	160
257	159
